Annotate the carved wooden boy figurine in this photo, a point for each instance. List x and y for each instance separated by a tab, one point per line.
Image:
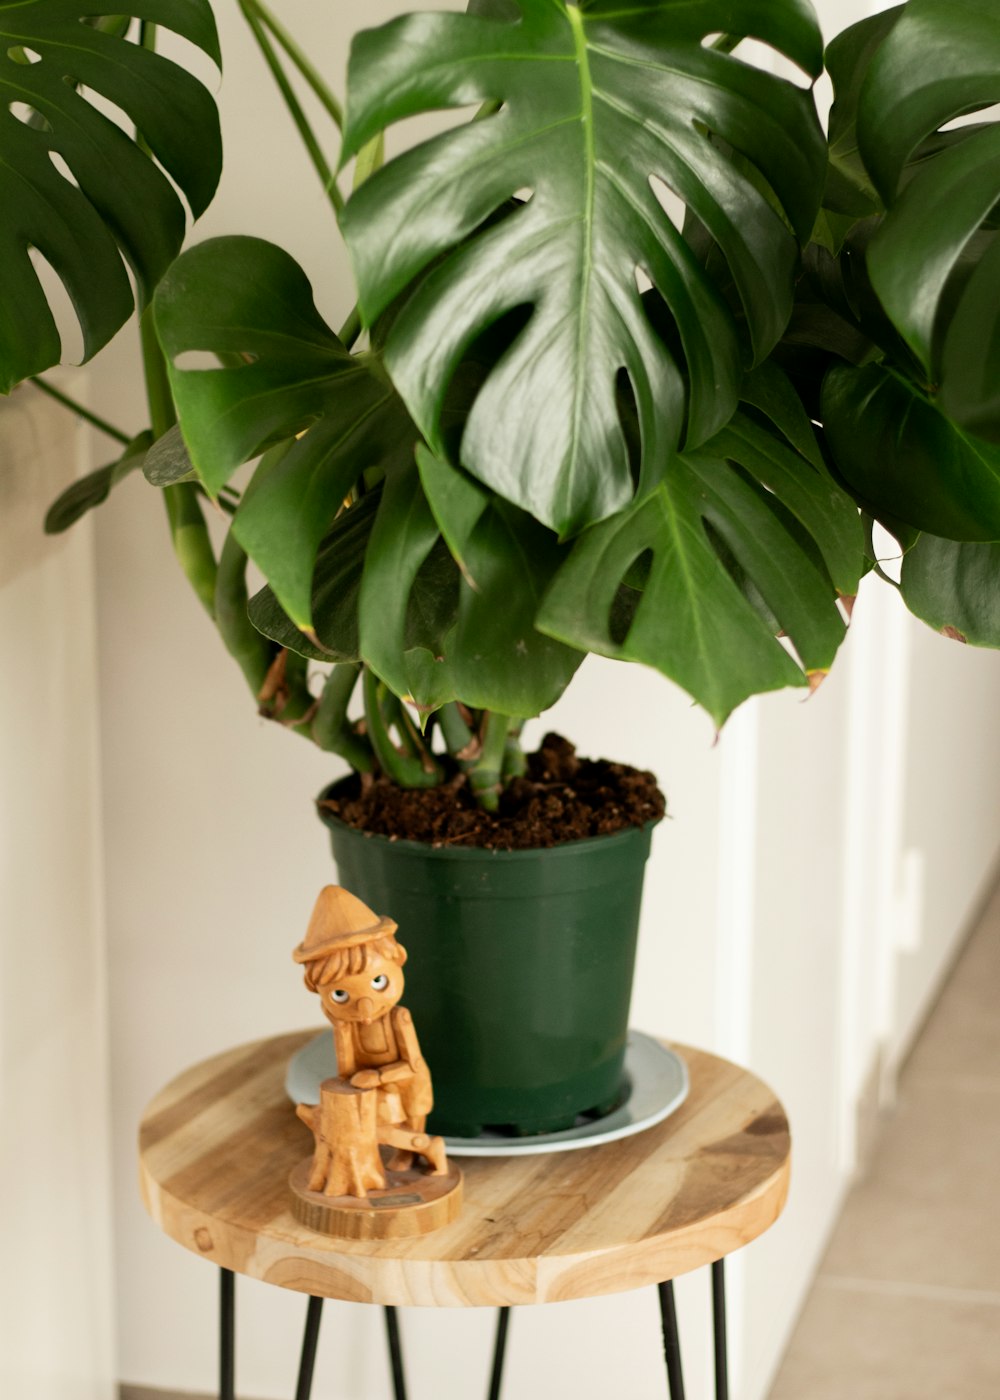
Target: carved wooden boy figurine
382	1093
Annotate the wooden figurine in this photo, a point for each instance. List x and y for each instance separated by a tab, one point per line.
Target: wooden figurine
381	1095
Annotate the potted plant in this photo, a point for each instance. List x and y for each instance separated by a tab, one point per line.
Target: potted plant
557	422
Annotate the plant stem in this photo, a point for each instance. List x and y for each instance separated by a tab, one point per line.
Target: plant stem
331	729
191	542
486	774
351	329
514	761
248	647
406	769
92	418
459	739
301	62
298	704
320	163
188	530
369	159
162	414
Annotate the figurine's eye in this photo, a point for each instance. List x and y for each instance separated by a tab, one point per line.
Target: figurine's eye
340	996
380	982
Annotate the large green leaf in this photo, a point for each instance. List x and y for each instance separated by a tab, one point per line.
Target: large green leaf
116	201
952	585
403	627
904	457
941	61
247	301
849	189
742	531
295	493
434	633
579	85
497	658
970	355
336	585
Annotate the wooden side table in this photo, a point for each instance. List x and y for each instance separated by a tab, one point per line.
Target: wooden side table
217	1145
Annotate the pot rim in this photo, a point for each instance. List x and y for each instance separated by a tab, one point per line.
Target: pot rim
443	852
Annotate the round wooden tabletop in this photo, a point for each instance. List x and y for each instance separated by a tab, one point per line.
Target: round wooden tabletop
217	1145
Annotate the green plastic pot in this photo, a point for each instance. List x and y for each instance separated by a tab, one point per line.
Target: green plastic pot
520	969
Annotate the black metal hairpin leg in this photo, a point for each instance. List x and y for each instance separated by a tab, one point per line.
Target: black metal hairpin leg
719	1319
499	1348
227	1335
395	1354
310	1339
671	1341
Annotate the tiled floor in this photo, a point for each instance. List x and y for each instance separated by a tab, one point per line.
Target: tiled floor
906	1305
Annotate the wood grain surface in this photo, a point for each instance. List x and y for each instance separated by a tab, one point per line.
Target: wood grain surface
217	1145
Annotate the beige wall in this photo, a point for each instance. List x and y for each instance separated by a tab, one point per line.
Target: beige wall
56	1296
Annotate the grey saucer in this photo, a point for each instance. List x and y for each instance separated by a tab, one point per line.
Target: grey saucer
656	1083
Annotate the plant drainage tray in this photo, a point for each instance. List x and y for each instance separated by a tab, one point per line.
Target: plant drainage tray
655	1084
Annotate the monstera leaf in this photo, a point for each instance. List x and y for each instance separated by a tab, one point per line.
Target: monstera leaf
387	590
576	86
941	61
849	189
757	497
905	459
75	186
952	585
292	386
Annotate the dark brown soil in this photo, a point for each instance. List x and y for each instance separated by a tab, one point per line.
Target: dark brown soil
560	798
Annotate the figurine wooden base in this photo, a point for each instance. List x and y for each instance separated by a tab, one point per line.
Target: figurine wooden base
413	1202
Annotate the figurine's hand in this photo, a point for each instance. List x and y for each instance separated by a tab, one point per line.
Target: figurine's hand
395	1073
366	1079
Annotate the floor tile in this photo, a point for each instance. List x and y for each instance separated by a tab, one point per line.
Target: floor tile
927	1211
862	1344
962	1035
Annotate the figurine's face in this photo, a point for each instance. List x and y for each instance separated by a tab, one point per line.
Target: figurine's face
364	996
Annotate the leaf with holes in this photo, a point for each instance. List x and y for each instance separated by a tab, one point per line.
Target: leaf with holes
941	61
75	186
745	517
246	300
290	381
578	86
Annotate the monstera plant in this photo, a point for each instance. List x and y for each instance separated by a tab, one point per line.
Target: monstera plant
639	355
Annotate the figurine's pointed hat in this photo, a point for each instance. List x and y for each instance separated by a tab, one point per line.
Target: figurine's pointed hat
340	920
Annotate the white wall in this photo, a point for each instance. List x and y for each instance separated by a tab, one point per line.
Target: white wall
774	927
56	1295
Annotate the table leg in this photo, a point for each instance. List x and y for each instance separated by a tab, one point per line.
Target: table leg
499	1350
310	1340
671	1341
227	1335
395	1354
719	1320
